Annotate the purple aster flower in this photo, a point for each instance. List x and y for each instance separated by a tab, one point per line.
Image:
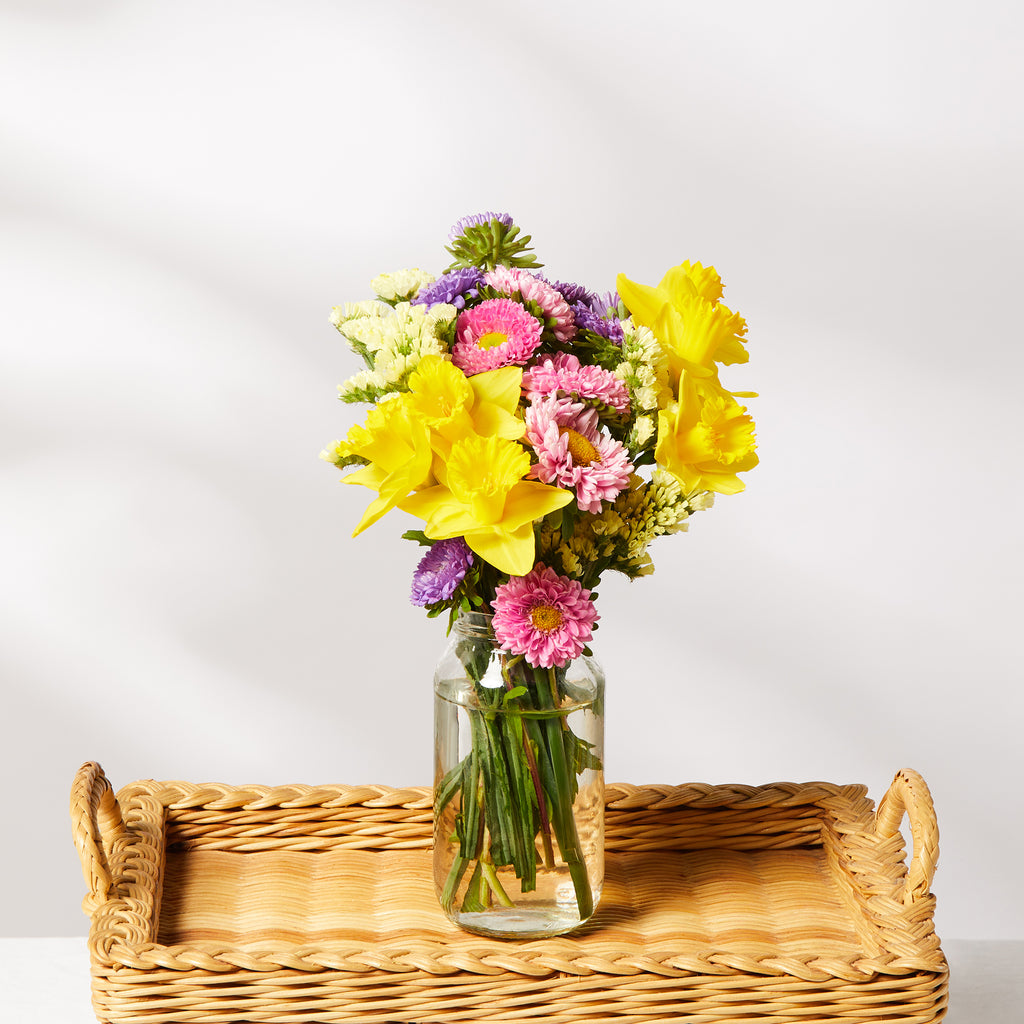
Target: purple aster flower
604	304
588	320
454	287
572	292
440	571
475	220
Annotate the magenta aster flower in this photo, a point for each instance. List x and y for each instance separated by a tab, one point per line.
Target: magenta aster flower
573	453
510	280
498	332
546	618
440	571
564	373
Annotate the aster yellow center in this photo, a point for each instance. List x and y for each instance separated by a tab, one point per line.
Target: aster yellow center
545	618
582	451
492	339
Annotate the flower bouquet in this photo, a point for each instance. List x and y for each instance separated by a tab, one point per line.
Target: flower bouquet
544	434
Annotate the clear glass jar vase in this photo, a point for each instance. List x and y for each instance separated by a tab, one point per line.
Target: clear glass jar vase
518	788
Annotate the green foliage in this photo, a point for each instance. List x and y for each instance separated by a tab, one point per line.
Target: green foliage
488	245
580	754
367	393
344	461
419	536
593	348
357	346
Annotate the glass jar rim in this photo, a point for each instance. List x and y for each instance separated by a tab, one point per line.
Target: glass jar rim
475	625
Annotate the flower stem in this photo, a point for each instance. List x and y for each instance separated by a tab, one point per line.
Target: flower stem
491	877
564	820
542	806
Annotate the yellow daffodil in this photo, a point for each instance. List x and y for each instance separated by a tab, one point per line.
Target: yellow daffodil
396	445
454	406
684	312
705	438
486	499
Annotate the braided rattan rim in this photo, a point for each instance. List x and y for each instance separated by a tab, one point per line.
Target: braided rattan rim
116	859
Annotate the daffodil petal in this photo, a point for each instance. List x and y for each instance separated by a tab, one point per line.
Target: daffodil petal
366	476
532	500
502	387
677	286
426	503
723	483
642	301
692	279
493	421
511	551
374	511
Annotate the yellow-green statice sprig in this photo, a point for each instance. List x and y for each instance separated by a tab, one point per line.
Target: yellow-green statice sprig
653	508
573	553
617	539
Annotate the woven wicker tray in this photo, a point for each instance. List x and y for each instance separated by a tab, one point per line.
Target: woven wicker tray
781	903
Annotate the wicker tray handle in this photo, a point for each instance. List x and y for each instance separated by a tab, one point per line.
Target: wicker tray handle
909	794
96	824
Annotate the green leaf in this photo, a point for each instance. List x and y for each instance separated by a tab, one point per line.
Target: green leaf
580	754
516	691
344	461
450	785
475	656
490	244
419	536
473	902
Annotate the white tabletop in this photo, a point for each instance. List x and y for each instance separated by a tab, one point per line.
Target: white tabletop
46	981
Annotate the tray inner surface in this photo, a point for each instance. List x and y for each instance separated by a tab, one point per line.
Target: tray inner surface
754	902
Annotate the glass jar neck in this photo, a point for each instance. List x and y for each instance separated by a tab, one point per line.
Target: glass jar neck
475	625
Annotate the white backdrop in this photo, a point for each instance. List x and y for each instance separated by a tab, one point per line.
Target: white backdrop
188	188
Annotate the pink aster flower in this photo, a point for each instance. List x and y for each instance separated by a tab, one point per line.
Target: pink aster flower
546	618
498	332
510	280
563	372
573	453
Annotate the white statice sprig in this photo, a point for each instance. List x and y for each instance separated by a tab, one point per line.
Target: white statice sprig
392	341
338	455
641	434
400	285
344	318
644	371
